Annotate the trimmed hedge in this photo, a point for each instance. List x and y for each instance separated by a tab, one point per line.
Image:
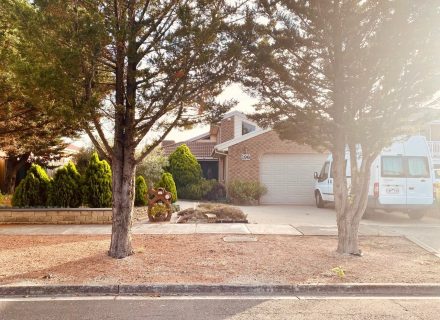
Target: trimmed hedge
97	183
33	189
141	192
65	189
167	182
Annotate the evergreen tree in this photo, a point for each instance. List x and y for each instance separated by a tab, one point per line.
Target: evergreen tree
184	167
33	189
141	192
65	189
167	182
97	185
344	76
161	63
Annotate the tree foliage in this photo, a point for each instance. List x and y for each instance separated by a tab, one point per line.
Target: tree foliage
33	189
152	167
344	74
65	189
141	192
135	68
184	167
168	183
97	185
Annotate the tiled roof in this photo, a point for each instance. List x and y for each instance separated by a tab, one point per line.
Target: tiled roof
201	150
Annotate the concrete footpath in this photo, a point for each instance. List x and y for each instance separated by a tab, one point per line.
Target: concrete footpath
167	228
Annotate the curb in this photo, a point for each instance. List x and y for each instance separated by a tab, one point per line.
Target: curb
355	289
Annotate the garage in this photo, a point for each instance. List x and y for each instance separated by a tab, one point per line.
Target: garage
289	177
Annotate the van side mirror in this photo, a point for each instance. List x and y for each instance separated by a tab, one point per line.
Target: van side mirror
316	175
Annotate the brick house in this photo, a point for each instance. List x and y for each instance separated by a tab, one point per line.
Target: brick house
238	149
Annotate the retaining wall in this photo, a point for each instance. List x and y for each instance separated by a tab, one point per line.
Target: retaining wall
56	216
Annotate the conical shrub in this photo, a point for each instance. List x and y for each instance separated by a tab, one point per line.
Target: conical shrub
33	189
65	189
167	182
97	183
140	198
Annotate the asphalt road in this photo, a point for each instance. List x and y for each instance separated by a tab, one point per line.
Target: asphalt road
218	308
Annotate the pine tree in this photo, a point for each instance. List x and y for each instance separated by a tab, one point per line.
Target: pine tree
343	76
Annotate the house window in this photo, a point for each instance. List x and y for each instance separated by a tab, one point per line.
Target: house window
246	128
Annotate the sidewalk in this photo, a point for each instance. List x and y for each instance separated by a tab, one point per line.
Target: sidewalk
169	229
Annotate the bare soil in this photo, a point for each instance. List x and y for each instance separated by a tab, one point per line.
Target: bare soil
208	259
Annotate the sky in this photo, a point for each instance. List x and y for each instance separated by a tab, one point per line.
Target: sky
245	105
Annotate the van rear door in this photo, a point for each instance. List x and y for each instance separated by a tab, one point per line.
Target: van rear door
419	181
392	181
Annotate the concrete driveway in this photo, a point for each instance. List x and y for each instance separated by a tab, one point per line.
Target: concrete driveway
311	220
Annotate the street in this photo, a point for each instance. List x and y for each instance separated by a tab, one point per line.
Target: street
214	308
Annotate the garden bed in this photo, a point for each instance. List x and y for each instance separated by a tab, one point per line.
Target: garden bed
207	259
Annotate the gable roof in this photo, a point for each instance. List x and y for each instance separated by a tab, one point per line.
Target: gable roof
223	147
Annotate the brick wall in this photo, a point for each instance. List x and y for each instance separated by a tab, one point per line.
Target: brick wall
226	129
269	142
56	216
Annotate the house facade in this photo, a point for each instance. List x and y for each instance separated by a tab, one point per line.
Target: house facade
238	149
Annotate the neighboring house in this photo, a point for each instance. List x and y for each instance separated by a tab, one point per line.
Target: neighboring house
238	149
432	134
67	156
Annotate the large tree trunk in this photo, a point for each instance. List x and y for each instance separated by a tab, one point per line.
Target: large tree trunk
123	201
350	201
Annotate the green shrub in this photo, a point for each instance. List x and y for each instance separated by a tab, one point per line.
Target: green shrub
97	184
204	190
158	210
216	191
33	189
65	189
184	167
245	192
167	182
140	197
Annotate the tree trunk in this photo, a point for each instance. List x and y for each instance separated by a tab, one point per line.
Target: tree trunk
12	167
123	168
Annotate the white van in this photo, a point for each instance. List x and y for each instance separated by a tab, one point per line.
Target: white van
401	179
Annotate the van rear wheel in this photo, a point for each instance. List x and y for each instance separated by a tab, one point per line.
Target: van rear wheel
318	200
416	215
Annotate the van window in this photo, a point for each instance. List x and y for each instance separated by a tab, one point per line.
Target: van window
418	167
324	172
392	166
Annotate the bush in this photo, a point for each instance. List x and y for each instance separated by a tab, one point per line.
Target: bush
167	182
245	192
158	210
151	168
140	197
82	158
97	184
33	189
216	192
210	190
65	188
184	167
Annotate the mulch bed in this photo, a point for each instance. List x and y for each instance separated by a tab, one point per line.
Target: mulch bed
208	259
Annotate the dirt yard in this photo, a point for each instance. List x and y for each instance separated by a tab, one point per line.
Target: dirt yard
208	259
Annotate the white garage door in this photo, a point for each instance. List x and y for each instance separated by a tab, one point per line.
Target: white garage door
289	177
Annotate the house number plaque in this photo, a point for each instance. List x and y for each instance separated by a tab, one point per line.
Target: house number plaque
245	156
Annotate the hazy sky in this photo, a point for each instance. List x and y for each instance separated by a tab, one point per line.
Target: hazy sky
234	91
